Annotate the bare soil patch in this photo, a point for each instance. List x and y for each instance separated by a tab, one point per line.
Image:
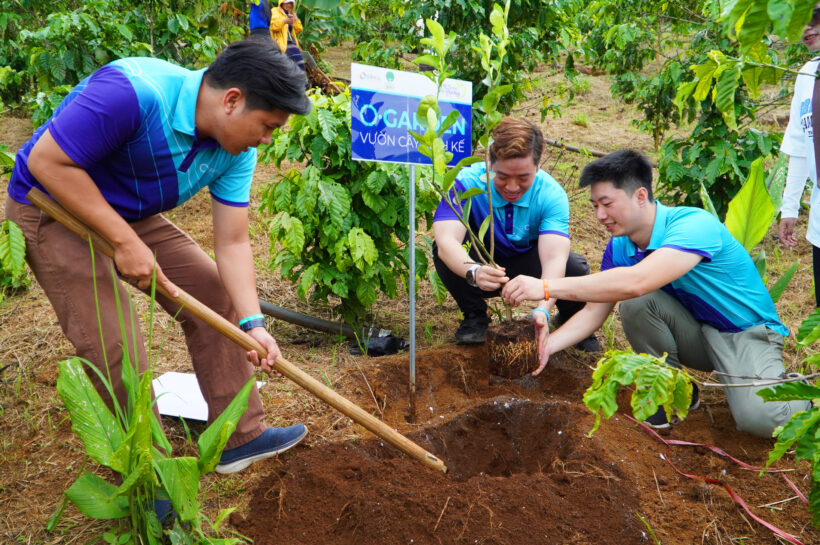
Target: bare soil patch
521	469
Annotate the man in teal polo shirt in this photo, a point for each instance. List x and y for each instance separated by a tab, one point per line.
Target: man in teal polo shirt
688	289
531	216
139	137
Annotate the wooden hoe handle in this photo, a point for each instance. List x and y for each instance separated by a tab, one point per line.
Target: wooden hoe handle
230	330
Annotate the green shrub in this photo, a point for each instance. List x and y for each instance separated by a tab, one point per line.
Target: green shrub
342	225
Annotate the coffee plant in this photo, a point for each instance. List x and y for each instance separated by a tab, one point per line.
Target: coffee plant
339	227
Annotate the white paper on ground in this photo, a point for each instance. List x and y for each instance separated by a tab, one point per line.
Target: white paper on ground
178	394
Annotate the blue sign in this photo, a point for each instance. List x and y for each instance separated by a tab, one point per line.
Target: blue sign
383	111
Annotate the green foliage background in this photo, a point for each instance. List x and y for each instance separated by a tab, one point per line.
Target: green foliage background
47	47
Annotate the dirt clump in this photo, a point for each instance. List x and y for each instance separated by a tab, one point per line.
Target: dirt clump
511	349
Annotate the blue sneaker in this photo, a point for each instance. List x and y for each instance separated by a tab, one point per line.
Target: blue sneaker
270	443
164	511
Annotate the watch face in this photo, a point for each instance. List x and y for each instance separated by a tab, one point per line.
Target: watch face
471	276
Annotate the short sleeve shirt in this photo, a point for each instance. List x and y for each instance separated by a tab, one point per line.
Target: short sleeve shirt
543	209
130	125
798	141
724	290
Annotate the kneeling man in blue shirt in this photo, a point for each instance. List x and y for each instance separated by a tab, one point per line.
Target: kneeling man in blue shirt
687	288
531	216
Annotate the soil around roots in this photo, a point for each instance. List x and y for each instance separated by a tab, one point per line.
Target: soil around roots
522	468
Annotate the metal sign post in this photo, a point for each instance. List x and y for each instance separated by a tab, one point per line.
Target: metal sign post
383	112
412	250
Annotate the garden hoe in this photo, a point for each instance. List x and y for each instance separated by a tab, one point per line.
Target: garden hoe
230	330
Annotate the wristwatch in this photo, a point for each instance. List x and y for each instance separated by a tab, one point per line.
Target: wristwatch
470	276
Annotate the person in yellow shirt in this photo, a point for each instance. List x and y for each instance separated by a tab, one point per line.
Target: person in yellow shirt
284	26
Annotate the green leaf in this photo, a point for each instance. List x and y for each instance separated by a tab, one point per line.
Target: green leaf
800	424
294	239
439	289
809	330
777	289
751	210
91	419
776	181
437	41
790	391
95	498
472	192
800	17
751	26
760	262
485	225
428	60
12	248
450	175
180	479
328	123
706	200
448	122
366	293
306	281
704	74
724	94
362	248
213	439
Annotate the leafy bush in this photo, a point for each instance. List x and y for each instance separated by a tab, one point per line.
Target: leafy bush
45	46
699	79
342	224
12	258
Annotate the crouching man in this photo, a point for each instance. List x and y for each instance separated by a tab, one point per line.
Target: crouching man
531	216
687	288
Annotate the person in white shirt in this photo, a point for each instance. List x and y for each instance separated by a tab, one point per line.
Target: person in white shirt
798	144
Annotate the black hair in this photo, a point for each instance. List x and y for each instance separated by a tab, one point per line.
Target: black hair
267	77
626	169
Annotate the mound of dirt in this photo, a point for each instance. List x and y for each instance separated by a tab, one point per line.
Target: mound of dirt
521	469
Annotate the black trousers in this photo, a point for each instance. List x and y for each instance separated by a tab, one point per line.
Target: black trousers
470	299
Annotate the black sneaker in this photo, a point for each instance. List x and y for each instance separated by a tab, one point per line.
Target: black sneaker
590	344
659	420
473	329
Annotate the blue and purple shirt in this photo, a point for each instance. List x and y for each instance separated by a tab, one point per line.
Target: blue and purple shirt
543	209
724	290
130	125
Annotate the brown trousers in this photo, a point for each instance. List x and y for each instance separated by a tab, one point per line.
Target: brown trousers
61	262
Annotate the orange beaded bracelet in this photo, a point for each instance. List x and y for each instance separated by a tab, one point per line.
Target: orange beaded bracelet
546	290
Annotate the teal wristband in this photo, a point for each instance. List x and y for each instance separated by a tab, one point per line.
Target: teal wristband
539	309
243	321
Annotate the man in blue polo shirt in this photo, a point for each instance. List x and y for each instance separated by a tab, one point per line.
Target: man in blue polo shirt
139	137
688	289
531	215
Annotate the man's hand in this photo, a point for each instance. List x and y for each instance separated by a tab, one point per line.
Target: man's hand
135	262
265	339
489	278
523	288
786	232
542	332
290	19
